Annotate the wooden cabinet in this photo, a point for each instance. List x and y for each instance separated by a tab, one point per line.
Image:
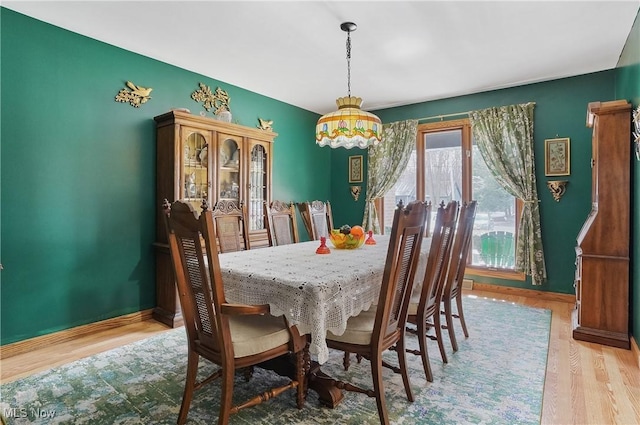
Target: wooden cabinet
201	158
602	253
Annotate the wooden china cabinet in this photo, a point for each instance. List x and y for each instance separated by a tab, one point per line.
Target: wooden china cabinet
198	159
602	253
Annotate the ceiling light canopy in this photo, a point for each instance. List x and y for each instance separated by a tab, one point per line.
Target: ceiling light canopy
349	126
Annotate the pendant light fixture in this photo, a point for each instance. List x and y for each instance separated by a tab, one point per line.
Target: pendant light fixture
349	126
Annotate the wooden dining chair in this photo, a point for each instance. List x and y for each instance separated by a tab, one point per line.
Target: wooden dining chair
230	224
453	284
317	218
282	226
374	331
232	336
425	312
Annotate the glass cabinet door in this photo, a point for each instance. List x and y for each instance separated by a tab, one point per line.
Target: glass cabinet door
195	170
228	169
258	186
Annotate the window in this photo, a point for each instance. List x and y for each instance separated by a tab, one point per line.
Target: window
446	165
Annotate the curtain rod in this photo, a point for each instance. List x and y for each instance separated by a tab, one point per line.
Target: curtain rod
444	116
450	115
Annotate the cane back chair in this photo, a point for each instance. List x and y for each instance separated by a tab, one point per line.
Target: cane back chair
427	308
453	284
232	336
230	226
317	218
374	331
282	225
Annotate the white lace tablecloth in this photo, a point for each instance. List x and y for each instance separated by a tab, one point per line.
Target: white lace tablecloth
318	293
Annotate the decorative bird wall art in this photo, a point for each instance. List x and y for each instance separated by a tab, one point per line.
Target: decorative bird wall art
265	124
137	96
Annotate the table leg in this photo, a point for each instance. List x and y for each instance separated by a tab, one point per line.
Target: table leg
327	388
324	385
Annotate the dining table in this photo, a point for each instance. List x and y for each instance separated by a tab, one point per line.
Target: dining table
315	292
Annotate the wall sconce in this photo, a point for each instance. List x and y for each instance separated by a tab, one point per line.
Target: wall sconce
355	192
557	188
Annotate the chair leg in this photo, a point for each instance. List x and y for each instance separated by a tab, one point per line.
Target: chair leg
226	395
461	315
189	386
301	391
248	373
378	387
438	327
449	317
422	341
346	360
402	361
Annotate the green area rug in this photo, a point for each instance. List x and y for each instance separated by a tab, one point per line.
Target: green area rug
496	377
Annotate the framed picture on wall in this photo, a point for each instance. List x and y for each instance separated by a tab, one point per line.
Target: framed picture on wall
557	156
355	169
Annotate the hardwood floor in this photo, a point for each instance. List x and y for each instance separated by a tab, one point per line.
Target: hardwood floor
585	383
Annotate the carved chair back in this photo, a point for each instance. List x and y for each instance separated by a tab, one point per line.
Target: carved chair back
230	226
282	226
317	218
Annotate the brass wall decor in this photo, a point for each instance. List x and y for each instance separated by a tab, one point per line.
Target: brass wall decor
557	188
265	124
136	97
355	192
218	101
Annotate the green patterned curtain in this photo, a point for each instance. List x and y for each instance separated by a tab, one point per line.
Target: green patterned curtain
504	137
386	162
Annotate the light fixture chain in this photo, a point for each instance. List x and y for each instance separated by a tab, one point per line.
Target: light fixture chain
349	63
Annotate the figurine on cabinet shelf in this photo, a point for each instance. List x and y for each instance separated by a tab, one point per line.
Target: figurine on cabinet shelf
191	185
203	155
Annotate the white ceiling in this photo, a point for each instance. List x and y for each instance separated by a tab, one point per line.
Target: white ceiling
403	52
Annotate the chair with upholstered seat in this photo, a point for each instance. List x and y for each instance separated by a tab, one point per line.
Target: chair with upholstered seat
424	313
230	226
282	226
374	331
230	335
453	284
317	218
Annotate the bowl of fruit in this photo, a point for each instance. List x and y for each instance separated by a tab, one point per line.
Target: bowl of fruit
347	237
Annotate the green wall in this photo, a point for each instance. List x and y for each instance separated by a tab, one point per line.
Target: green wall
628	87
78	173
561	107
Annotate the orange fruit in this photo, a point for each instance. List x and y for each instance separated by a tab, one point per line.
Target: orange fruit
357	231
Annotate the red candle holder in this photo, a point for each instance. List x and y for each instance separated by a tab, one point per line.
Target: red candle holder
323	248
370	240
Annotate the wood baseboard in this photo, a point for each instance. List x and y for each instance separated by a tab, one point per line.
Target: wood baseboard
636	350
31	344
522	292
